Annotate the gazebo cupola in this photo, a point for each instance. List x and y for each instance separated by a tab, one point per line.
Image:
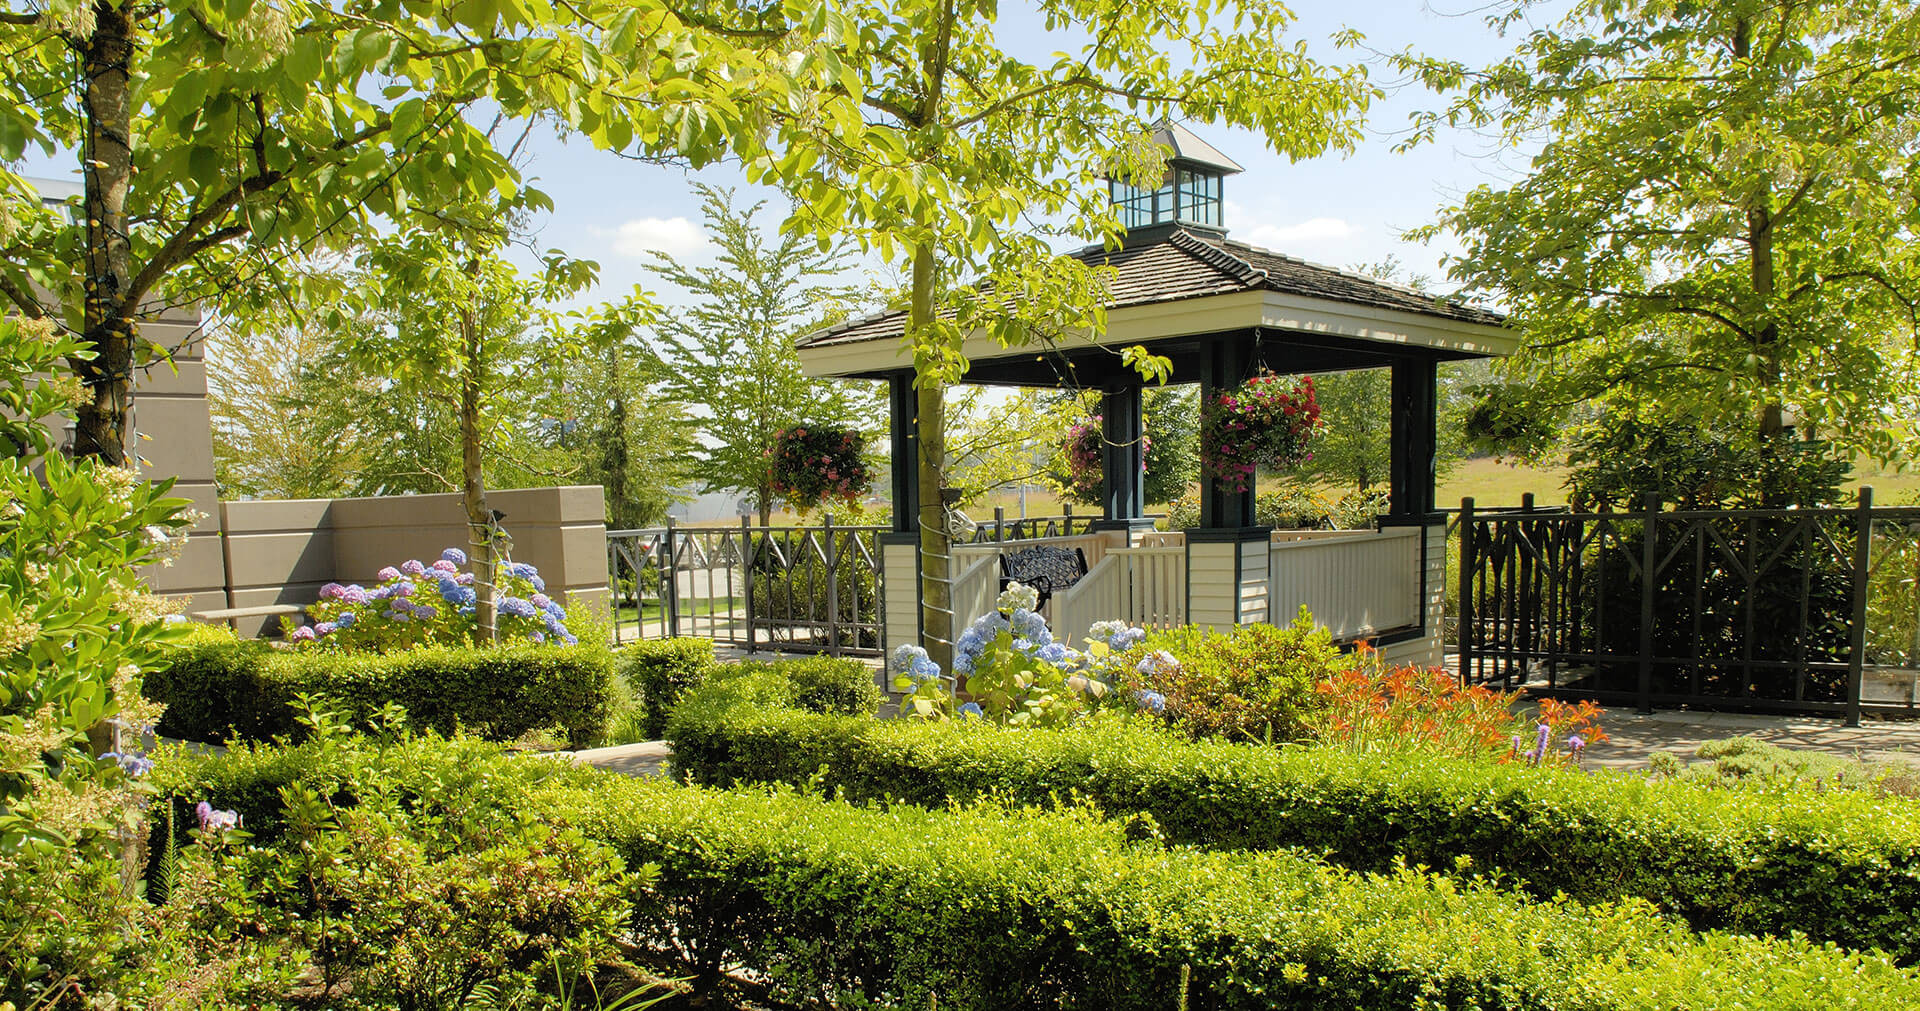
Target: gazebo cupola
1190	193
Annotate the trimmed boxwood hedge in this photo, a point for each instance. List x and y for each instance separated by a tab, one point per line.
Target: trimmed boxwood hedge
1838	866
218	688
660	670
988	908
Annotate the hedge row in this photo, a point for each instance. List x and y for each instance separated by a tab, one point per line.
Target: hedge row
1837	866
994	909
664	671
219	688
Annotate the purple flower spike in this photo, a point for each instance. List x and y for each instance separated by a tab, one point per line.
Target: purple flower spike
1575	742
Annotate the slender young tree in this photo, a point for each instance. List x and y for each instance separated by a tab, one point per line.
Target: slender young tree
1718	226
454	317
731	356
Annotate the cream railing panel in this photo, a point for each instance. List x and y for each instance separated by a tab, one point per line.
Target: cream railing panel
1356	585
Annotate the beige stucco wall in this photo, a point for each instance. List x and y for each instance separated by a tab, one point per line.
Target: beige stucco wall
282	552
173	437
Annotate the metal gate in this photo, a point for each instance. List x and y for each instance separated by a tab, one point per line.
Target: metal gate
1812	610
802	589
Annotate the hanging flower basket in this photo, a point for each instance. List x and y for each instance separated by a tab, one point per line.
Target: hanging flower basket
1268	421
811	464
1086	472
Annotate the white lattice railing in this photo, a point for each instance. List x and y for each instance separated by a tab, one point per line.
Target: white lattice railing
1356	585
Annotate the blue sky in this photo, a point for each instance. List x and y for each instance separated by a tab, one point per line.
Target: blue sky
1338	210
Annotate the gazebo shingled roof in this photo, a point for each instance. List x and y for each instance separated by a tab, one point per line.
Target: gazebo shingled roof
1179	264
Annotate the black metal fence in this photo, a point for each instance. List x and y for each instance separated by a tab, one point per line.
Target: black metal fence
803	589
1808	610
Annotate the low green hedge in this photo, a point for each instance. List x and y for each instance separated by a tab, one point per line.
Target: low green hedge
218	688
994	909
660	670
1839	866
664	671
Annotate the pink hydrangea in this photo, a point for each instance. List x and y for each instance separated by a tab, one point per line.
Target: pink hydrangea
303	634
388	574
445	566
331	590
412	567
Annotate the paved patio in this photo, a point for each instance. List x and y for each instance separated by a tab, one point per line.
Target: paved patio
1633	739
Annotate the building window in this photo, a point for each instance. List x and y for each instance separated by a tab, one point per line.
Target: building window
1189	195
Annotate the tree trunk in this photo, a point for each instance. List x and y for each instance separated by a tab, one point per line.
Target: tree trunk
473	488
1766	335
107	325
936	570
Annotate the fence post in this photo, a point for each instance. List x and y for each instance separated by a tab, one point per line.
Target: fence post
746	573
833	590
1649	558
669	585
1464	619
1857	630
999	524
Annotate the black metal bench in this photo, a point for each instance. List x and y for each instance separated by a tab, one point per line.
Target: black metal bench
1045	567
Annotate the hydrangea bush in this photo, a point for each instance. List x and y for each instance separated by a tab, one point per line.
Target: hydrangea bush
1015	672
415	604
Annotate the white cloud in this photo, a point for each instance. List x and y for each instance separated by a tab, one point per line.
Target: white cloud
676	237
1312	231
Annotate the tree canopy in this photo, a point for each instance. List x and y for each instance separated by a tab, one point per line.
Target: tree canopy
1717	226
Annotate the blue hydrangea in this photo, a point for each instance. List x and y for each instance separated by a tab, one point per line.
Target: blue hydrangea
516	607
539	585
969	642
913	662
454	555
1158	662
346	620
554	608
569	638
1126	639
972	710
461	597
1054	653
1151	701
522	569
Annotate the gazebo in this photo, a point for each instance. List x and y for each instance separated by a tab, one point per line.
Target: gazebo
1220	311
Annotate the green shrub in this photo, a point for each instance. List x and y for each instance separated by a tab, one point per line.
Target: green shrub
994	908
217	688
817	684
661	670
988	908
402	872
1250	683
1840	865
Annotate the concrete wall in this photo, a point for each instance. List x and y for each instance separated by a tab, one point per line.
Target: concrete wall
173	437
282	552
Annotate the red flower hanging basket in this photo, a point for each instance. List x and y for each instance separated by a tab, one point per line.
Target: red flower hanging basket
1268	421
811	464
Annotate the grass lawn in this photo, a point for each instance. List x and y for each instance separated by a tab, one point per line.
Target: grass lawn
1492	483
650	611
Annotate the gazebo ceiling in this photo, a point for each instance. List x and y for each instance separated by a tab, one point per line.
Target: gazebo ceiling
1177	289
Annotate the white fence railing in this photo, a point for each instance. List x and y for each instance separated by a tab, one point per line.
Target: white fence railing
1144	586
1356	585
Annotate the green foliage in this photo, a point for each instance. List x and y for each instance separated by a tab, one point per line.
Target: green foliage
817	684
218	688
1841	866
77	631
398	871
660	671
1252	683
731	352
1619	458
987	907
1695	240
1751	762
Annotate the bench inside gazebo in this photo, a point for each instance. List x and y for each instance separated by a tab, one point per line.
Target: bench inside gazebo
1220	311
